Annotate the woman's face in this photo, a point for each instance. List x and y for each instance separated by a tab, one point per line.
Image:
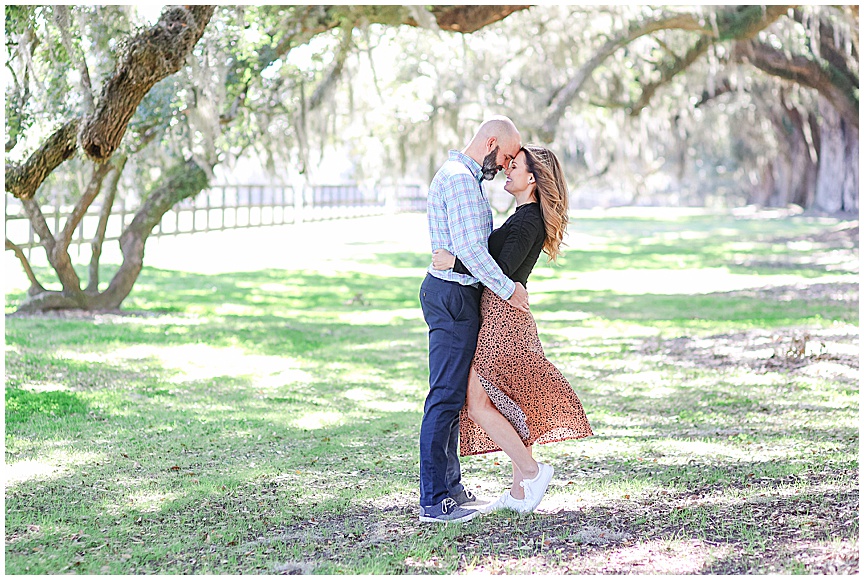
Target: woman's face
518	178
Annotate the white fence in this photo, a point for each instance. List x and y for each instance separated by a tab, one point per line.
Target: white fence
223	207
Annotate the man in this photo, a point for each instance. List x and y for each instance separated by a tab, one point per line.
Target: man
460	221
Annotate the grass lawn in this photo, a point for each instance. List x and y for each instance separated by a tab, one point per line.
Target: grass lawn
265	420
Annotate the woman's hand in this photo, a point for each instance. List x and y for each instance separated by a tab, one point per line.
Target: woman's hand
442	260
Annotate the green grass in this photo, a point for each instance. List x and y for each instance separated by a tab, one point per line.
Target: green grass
266	422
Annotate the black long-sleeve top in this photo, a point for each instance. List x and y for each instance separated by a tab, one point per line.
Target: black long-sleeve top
517	244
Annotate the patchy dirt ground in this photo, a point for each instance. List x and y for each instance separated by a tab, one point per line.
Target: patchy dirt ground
699	532
831	353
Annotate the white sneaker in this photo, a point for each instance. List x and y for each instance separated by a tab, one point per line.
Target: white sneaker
505	502
536	488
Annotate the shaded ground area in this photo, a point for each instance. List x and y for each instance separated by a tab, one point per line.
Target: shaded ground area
796	518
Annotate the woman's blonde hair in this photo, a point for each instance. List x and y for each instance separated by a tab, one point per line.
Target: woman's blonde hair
551	194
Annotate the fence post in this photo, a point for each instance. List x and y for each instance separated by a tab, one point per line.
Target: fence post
223	207
81	233
123	217
299	199
390	199
31	239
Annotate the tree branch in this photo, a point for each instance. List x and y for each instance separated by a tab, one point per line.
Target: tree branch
468	19
667	73
303	23
26	43
738	22
17	122
181	182
311	20
234	110
58	255
37	221
61	17
741	23
838	63
335	72
150	56
725	86
23	180
595	102
833	86
100	170
35	286
102	226
565	95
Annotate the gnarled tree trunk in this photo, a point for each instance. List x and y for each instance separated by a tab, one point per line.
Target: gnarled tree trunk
149	57
796	170
181	182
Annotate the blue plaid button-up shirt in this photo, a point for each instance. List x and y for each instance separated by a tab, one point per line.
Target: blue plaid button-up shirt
460	221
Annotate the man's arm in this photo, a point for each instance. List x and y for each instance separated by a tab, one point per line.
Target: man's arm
466	221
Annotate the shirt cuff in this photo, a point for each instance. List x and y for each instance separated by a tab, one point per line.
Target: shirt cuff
504	291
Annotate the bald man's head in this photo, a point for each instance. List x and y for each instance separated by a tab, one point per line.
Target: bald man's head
494	145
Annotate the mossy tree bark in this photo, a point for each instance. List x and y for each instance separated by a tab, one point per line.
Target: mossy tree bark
837	185
150	56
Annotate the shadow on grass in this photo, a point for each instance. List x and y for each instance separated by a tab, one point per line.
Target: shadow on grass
155	463
701	530
762	307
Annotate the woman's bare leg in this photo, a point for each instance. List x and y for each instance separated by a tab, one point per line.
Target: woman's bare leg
516	490
483	412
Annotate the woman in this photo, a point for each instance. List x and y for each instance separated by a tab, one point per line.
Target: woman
516	397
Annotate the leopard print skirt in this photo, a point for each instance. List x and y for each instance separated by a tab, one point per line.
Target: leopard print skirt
522	384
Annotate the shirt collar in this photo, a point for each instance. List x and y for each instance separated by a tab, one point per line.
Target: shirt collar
474	167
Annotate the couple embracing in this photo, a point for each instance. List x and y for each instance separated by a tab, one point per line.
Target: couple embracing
491	387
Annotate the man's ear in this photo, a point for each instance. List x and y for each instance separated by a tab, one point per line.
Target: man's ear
491	143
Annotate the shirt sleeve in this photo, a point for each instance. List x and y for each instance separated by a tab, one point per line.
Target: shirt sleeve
465	219
521	234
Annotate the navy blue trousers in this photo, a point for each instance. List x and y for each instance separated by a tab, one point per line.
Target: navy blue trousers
452	312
